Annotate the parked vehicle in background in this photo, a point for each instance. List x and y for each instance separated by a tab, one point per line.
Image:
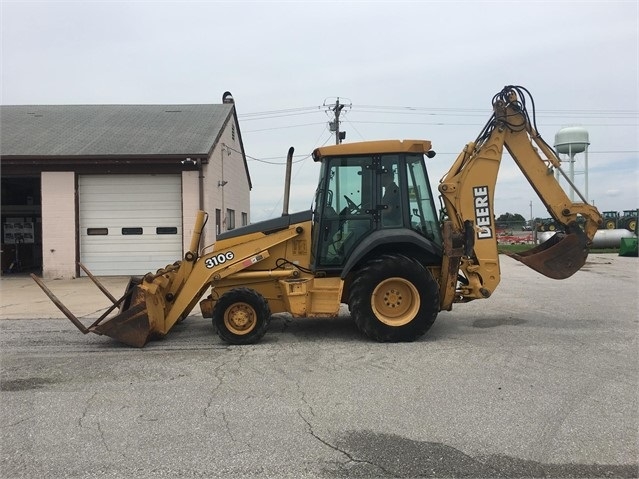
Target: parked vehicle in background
613	220
628	220
610	220
547	224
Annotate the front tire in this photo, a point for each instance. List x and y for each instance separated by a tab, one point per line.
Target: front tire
241	316
394	298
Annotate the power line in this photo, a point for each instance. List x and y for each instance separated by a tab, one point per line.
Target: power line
413	110
337	109
286	110
441	123
274	115
430	123
283	127
445	120
418	110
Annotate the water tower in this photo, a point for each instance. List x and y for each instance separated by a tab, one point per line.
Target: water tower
571	141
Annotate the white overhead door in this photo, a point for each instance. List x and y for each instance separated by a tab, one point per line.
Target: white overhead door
129	224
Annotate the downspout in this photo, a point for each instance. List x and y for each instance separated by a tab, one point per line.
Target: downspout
200	178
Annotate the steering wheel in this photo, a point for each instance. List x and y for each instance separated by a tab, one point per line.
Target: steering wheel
352	207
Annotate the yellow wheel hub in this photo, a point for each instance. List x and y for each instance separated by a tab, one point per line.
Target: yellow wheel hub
240	318
395	301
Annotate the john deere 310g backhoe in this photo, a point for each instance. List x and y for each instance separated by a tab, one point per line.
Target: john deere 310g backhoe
374	240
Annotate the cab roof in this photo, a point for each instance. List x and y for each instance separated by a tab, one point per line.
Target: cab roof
372	147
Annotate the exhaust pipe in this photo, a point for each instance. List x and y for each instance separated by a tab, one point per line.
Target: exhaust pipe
287	180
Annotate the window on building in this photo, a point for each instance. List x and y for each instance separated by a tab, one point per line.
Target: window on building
218	221
244	219
166	230
230	219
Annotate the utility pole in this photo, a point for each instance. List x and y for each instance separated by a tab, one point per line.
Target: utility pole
338	108
334	125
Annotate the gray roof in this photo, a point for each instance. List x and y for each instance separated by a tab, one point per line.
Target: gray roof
88	130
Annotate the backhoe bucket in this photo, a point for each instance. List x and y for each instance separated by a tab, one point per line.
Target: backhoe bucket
559	257
132	325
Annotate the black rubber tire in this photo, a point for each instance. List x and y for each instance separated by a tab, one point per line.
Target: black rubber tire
406	291
241	316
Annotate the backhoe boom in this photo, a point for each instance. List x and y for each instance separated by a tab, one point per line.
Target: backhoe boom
468	195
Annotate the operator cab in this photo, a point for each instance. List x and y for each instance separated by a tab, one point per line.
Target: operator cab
373	188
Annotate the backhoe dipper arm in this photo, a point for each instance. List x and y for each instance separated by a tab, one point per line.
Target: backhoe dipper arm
468	195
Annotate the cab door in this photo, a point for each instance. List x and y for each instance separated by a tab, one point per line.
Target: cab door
345	209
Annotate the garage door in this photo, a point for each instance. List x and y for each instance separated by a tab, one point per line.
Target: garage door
129	224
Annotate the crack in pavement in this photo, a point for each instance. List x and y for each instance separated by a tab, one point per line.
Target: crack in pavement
350	457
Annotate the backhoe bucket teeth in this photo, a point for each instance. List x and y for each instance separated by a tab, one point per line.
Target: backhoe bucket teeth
559	257
132	325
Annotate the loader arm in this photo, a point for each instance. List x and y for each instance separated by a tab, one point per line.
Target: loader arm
468	196
159	301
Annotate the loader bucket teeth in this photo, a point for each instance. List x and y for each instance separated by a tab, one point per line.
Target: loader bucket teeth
130	327
559	257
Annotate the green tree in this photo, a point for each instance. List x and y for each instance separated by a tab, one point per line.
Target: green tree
511	219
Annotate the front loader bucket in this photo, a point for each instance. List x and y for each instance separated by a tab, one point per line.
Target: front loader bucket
132	325
559	257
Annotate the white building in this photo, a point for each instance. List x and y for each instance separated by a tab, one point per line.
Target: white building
117	187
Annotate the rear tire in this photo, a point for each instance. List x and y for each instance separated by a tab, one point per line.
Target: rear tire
394	298
241	316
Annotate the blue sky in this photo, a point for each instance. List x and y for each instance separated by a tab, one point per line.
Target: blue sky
420	69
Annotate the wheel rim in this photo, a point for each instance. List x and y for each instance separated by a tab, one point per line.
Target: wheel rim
632	225
610	225
395	301
240	318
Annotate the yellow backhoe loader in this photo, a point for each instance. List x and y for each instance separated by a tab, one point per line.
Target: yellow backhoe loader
374	240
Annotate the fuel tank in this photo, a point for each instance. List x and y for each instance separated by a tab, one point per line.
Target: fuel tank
602	239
